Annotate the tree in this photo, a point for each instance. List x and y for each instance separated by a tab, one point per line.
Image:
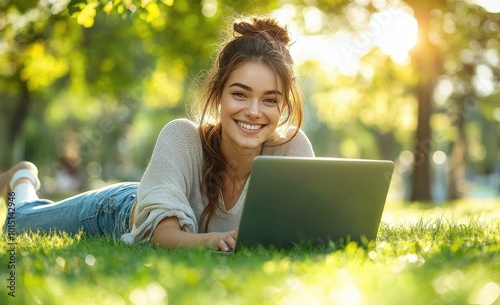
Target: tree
472	46
84	73
438	55
428	62
82	82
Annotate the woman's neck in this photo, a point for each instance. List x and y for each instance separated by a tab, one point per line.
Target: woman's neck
239	160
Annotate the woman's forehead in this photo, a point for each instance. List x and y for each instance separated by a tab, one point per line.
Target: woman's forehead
255	75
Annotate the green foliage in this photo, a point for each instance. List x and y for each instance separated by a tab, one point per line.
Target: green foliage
381	95
361	110
89	84
86	74
448	254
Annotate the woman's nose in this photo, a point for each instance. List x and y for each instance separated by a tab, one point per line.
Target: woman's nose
253	109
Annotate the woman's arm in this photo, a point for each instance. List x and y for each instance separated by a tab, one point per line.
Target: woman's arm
168	234
169	184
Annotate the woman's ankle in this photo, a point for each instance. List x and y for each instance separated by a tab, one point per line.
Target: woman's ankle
24	191
23	180
25	174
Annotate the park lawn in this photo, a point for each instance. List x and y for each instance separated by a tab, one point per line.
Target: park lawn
424	255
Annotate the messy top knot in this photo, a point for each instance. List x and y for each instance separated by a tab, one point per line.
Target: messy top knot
267	27
262	40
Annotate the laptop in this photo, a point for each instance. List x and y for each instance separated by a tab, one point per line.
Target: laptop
292	201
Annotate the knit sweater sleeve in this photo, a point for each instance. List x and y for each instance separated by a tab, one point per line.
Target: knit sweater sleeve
299	146
168	180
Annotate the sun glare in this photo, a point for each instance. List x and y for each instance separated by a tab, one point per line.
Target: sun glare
394	31
492	6
398	34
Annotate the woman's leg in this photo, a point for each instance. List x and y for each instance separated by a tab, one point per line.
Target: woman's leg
105	211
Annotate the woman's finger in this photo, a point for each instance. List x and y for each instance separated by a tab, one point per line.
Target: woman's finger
222	245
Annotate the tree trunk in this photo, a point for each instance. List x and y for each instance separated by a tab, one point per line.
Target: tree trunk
428	63
15	126
20	113
421	190
456	173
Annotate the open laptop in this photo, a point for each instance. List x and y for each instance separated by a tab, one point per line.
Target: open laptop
292	200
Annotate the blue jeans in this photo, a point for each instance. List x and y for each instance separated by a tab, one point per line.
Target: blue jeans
100	212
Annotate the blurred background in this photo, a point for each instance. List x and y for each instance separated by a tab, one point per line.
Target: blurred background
86	86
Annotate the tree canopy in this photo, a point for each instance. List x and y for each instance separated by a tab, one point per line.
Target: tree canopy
85	86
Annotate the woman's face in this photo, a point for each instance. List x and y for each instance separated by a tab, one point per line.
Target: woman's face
250	106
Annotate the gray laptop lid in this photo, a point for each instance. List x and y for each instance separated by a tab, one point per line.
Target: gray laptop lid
292	200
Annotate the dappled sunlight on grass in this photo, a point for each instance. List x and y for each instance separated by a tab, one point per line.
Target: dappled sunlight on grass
429	255
458	212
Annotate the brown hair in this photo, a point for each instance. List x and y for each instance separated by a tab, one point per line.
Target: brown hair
262	40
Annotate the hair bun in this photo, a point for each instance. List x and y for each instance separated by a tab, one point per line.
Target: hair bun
265	26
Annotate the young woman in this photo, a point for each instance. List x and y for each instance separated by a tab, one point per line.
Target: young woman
193	190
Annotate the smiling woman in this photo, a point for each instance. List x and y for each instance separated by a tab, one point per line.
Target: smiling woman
250	108
251	84
193	190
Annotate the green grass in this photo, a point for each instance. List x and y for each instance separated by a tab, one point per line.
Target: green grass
439	255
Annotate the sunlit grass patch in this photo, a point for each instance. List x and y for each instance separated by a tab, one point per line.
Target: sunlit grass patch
424	255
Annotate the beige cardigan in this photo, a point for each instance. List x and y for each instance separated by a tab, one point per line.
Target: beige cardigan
171	183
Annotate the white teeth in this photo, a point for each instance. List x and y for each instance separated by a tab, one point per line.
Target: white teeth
249	127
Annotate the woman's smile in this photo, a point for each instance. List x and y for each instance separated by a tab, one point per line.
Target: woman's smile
249	126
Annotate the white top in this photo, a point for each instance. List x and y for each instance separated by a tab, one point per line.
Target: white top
171	185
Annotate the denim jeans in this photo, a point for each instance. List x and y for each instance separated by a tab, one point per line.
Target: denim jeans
100	212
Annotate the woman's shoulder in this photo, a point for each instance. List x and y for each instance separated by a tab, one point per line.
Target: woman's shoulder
181	124
300	142
180	127
180	133
299	145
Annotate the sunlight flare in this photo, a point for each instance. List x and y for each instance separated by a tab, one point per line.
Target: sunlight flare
394	31
398	33
492	6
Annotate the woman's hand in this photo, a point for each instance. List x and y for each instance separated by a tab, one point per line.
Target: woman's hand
169	234
225	241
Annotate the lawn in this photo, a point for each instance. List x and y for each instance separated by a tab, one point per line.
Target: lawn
424	255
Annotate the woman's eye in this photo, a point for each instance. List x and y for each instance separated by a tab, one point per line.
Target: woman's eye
239	94
270	100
